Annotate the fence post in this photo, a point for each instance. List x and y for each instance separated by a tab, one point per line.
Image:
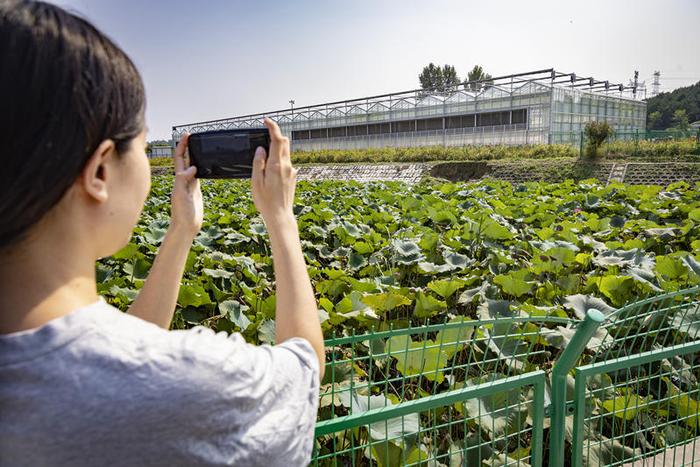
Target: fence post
566	361
580	146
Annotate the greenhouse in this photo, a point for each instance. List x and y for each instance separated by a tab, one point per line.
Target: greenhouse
537	107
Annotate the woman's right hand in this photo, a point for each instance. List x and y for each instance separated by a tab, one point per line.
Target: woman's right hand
274	179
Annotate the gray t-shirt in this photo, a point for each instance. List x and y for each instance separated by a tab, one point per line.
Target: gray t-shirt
101	387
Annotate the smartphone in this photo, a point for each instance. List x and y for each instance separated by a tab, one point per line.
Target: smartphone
226	153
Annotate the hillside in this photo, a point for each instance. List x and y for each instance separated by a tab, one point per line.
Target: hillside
667	103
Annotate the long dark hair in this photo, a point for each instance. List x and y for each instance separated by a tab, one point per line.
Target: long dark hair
64	88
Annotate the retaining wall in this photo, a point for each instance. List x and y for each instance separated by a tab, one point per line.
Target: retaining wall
550	170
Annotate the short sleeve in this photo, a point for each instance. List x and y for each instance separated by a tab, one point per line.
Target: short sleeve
257	404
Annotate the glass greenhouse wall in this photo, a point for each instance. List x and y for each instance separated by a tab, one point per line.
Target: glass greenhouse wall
539	107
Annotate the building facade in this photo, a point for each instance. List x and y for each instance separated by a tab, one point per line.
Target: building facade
539	107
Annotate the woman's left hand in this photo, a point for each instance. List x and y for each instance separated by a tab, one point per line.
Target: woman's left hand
187	211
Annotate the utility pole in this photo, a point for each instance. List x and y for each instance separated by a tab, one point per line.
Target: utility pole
636	83
291	102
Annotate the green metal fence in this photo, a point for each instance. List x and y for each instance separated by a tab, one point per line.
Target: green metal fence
465	392
637	396
518	390
643	144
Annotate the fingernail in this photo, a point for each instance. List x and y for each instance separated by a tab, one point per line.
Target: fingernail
259	152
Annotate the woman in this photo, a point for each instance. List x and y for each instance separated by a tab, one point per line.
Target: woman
82	383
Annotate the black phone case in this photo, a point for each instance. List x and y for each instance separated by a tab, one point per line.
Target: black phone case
226	153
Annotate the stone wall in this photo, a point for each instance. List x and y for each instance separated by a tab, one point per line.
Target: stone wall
633	173
550	170
409	173
638	173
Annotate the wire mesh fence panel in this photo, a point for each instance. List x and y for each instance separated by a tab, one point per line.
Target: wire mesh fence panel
640	143
464	392
636	395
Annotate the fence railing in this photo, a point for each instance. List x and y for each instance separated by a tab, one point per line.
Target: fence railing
610	389
640	143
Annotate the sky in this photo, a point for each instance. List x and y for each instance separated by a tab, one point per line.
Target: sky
213	59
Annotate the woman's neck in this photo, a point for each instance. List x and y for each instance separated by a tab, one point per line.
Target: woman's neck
44	281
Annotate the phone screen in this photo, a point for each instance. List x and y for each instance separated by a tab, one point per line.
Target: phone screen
227	153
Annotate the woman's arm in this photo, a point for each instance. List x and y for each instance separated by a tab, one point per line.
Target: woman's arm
274	183
157	298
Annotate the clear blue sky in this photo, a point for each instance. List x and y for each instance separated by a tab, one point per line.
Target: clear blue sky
212	59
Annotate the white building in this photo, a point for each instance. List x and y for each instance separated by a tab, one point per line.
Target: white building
543	106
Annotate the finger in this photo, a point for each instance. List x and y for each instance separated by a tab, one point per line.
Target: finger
179	154
258	166
279	144
275	132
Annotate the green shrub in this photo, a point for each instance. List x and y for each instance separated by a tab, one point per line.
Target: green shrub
435	153
162	161
596	133
653	149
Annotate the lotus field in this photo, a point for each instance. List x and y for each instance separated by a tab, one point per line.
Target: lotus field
386	254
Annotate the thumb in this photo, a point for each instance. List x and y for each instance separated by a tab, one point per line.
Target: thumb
190	172
186	175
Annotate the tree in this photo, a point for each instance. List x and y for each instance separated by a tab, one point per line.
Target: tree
666	103
450	80
431	77
478	79
596	134
440	79
680	119
653	120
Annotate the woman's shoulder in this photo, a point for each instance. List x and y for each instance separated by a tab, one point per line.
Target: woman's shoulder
195	346
201	353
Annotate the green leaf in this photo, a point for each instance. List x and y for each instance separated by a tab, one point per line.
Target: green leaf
192	315
692	264
217	273
363	248
407	252
383	302
580	304
192	295
694	215
234	310
127	252
326	304
456	260
418	358
257	229
500	413
625	407
156	230
266	332
685	406
453	339
393	429
445	288
427	305
670	267
515	283
138	269
356	261
495	231
617	288
352	306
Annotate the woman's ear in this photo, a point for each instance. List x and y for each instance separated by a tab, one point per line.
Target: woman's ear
94	175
